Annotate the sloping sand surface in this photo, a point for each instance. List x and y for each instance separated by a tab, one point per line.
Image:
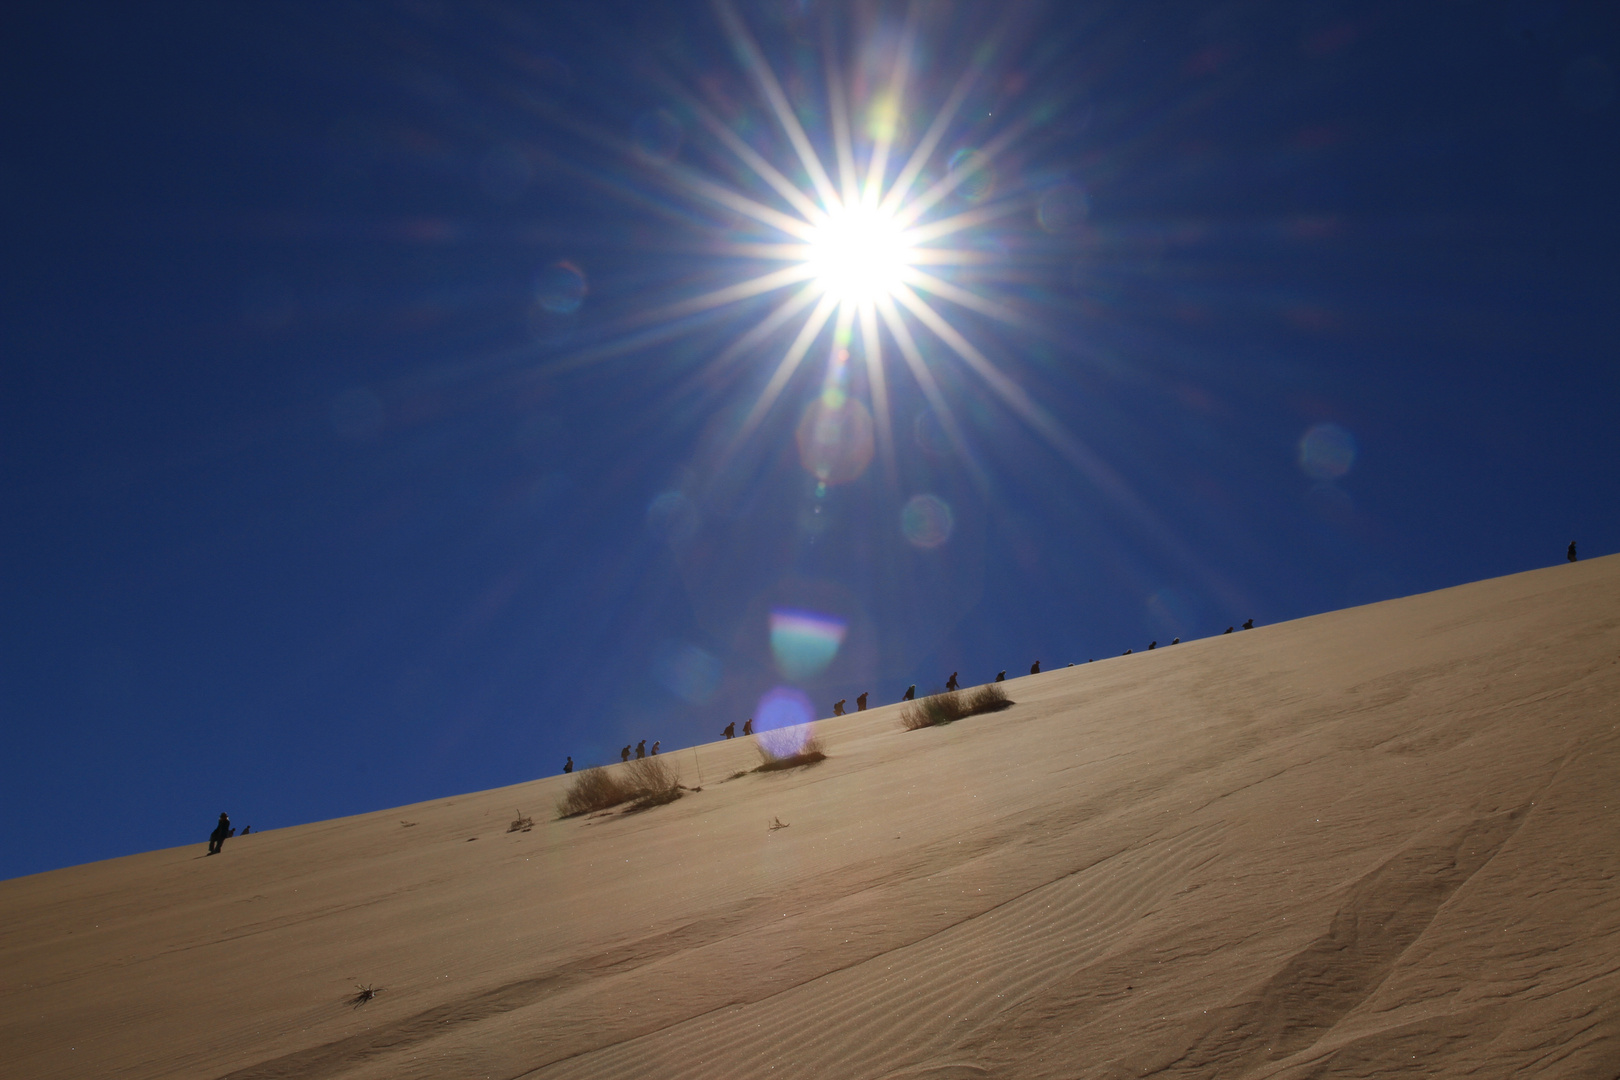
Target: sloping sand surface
1375	841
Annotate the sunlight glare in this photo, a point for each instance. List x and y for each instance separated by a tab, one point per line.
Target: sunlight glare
859	254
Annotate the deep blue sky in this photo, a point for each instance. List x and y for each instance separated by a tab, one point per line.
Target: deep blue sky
313	504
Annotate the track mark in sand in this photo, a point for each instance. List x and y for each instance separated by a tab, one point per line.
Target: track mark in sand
892	1013
333	1057
1383	914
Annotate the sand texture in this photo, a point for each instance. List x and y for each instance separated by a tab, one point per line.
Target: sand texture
1379	840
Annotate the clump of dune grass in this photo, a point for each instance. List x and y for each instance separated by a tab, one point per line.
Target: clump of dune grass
783	749
651	782
643	783
950	707
592	790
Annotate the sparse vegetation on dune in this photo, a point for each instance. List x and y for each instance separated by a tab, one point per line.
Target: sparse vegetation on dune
652	783
789	755
949	707
592	790
643	783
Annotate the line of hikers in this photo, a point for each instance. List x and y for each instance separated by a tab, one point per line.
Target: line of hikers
951	684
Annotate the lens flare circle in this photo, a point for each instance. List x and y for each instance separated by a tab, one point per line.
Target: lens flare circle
859	254
1326	452
805	642
926	521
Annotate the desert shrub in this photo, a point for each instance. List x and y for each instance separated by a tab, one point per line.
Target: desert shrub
652	782
987	698
592	790
952	706
787	751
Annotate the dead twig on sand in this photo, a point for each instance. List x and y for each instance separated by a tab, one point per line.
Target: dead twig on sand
777	823
521	823
366	993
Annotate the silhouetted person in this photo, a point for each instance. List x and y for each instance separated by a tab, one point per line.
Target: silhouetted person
641	749
1175	641
1127	652
911	693
1572	551
731	730
838	706
1152	645
568	766
246	829
656	745
1228	630
950	684
1001	676
1249	625
624	755
748	726
860	702
1035	668
230	834
222	831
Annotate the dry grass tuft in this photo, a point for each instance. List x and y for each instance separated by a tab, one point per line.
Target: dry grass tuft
652	783
643	783
592	790
789	755
947	708
520	823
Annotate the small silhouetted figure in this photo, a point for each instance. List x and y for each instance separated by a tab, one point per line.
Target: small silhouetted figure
222	831
624	755
1175	641
641	749
731	730
230	834
656	745
911	693
1228	630
1153	645
1001	676
860	702
246	829
838	706
1572	551
1035	668
568	766
748	726
1127	652
950	683
1249	625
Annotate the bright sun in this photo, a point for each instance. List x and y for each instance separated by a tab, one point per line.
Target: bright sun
859	254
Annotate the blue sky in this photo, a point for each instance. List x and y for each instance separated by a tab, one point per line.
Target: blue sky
373	429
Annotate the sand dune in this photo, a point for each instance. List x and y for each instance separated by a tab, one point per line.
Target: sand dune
1383	839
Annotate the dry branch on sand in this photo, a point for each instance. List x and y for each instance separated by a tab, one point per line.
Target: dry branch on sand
644	782
789	755
945	708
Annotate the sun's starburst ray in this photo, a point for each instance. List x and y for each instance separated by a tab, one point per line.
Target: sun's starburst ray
785	368
907	214
750	157
729	294
872	348
843	140
754	61
742	204
967	298
924	149
931	391
887	125
967	219
770	324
